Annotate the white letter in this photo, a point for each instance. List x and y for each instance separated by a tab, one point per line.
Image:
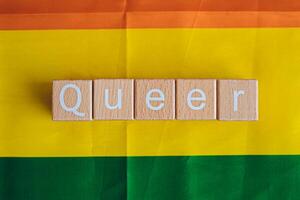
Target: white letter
236	94
119	101
150	98
78	102
190	98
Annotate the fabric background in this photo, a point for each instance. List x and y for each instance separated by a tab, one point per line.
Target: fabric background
45	40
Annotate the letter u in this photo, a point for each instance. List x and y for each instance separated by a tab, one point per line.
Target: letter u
118	105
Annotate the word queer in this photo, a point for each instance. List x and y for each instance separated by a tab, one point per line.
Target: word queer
155	99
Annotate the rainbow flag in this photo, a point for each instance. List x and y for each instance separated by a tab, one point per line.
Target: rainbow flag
148	160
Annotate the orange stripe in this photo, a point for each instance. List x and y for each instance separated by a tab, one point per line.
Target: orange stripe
62	21
71	6
212	19
149	20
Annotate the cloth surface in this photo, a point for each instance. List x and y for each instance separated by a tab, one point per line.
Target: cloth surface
42	159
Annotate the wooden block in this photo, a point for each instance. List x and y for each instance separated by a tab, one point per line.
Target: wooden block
72	100
196	99
155	99
113	99
238	100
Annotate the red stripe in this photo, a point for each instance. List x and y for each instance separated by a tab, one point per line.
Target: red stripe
83	6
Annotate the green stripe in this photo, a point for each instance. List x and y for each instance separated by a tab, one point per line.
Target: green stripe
139	178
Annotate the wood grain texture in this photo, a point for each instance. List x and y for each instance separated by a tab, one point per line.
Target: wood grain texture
187	109
246	105
110	109
167	87
70	98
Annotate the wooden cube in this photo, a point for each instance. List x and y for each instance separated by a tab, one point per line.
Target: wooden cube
113	99
155	99
196	99
238	100
72	100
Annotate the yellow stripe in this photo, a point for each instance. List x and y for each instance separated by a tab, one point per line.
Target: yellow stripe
29	60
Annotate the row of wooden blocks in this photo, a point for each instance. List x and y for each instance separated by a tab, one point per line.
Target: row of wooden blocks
155	99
